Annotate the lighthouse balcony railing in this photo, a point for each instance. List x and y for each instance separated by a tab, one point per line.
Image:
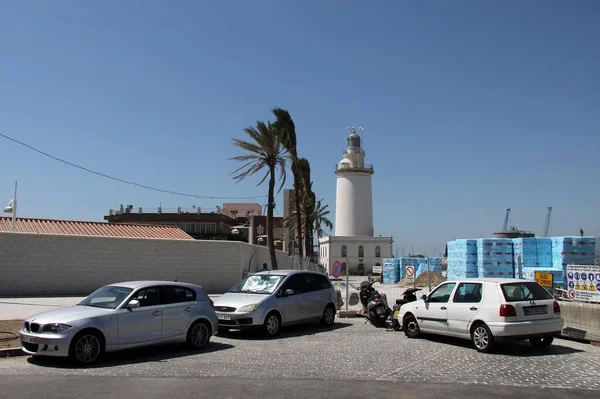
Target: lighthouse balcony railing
351	167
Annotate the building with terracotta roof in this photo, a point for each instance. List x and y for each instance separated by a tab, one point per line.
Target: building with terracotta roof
94	229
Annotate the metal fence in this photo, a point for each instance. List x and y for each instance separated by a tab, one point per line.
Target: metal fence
348	284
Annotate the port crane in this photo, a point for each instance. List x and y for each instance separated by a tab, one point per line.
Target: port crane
505	228
547	224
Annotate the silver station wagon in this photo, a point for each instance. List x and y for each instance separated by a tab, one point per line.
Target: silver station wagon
120	316
272	299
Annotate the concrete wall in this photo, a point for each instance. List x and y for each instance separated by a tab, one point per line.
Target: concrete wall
43	264
582	320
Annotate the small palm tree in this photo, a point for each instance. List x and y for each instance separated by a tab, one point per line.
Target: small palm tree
286	125
320	218
265	149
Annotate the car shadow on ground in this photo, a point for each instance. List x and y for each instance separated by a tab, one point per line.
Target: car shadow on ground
515	349
149	354
299	330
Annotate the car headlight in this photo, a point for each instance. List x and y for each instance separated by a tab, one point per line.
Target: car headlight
56	328
248	308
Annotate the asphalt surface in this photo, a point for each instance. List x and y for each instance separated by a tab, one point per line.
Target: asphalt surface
348	359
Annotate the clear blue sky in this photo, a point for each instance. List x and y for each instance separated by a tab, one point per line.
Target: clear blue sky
469	107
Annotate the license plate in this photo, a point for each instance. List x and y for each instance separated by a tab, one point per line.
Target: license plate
535	310
396	313
29	340
224	317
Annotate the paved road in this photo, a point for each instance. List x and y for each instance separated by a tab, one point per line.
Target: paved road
325	358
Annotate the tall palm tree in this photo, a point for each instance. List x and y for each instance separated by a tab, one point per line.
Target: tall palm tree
286	125
264	150
308	199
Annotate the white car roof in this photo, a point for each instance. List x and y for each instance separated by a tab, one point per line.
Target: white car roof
491	280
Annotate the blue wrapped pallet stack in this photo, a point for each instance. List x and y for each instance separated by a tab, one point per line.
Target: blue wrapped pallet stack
391	273
404	261
526	248
462	259
435	265
572	250
495	257
544	252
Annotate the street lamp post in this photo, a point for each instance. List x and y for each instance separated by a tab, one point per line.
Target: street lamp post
12	208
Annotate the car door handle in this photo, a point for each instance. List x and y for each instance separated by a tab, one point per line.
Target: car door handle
156	313
188	309
473	308
443	308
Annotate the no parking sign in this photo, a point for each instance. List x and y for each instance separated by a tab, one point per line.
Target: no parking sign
336	269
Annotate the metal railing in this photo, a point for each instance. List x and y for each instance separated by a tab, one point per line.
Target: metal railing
346	166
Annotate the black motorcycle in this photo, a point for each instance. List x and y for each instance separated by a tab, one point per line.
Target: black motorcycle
374	305
407	296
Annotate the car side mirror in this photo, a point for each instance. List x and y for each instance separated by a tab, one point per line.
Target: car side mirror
424	297
133	304
289	291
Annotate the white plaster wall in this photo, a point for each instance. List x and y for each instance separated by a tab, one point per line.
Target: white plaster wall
354	204
45	265
334	252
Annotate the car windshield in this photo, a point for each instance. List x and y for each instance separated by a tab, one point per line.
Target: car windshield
108	297
530	291
258	284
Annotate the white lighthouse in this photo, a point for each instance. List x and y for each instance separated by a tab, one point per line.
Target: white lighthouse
353	244
354	193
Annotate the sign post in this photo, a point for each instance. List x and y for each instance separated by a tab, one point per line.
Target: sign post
410	275
347	283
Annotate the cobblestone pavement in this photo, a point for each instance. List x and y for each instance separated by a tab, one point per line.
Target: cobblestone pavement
350	350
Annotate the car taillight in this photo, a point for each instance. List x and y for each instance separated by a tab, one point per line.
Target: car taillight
556	308
508	311
212	304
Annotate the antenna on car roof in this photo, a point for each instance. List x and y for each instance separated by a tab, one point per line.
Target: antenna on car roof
176	278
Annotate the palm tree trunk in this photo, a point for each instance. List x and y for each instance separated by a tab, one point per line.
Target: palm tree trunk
307	237
270	238
298	213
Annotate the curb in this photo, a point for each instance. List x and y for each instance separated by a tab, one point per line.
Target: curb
348	313
12	352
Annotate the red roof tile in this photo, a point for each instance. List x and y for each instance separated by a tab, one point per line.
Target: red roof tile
96	229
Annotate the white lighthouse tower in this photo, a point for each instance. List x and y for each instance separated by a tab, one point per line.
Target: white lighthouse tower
354	245
354	194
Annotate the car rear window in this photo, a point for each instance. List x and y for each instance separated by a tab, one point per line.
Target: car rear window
524	291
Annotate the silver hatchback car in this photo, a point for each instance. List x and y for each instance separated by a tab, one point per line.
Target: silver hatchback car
120	316
272	299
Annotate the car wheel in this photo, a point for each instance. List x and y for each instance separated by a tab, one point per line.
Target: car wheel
541	343
328	317
198	335
411	327
482	338
272	324
86	347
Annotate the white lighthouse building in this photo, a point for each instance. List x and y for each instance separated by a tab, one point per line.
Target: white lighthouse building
353	244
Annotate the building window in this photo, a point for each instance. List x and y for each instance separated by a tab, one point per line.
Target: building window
344	251
361	252
378	251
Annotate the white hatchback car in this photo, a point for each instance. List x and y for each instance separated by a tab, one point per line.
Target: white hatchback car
486	310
